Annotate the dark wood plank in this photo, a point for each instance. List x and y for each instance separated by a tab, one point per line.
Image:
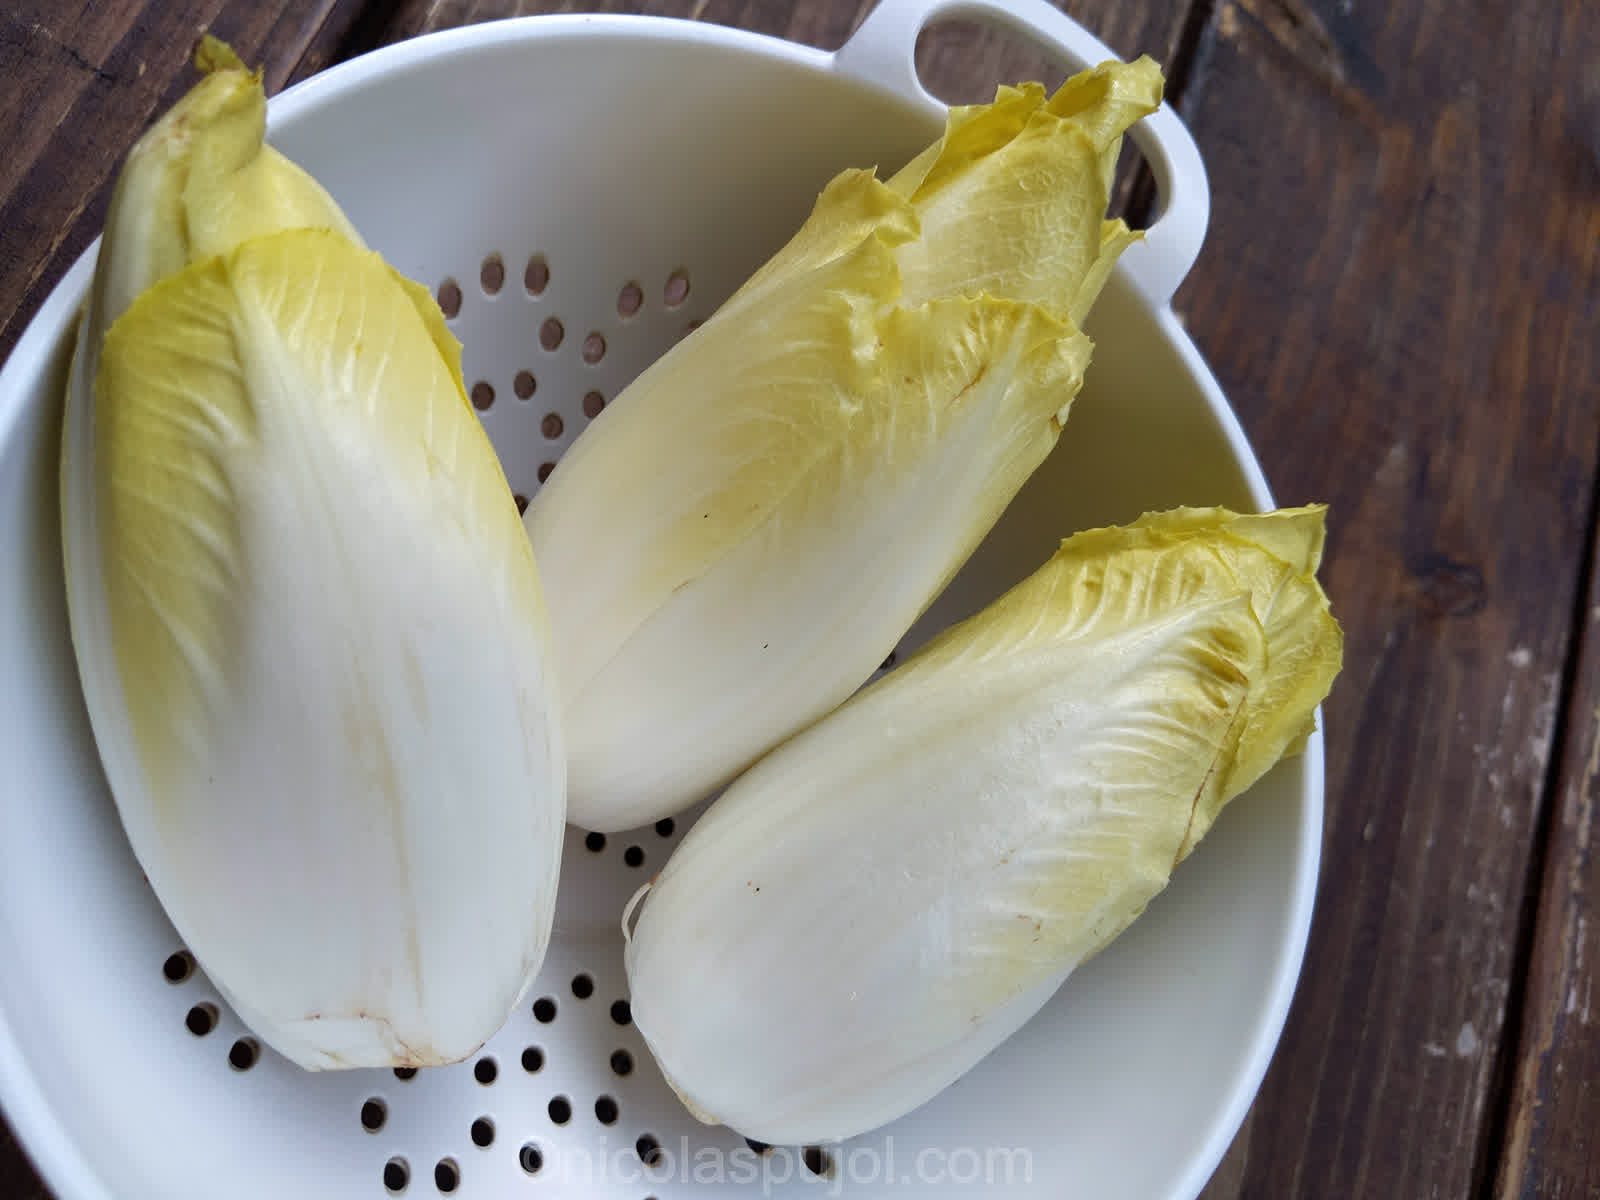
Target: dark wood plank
1399	294
1552	1149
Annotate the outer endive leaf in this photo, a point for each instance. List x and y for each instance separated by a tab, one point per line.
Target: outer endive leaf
855	208
1272	557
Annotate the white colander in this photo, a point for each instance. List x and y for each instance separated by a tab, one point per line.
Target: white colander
581	190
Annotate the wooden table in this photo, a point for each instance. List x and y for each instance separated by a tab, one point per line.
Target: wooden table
1399	293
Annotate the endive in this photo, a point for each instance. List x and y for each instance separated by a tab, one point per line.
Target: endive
307	619
877	904
744	534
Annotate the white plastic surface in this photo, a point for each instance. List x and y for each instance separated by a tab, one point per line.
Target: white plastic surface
699	149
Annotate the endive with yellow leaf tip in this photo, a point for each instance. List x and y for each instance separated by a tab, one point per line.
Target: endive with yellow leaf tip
877	904
306	617
739	539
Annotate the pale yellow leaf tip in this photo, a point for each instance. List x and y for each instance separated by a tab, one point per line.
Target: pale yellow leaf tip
212	54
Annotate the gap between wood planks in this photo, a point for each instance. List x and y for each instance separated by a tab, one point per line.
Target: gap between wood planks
1501	1101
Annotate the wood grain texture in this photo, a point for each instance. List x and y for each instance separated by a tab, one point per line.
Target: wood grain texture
1552	1148
1399	293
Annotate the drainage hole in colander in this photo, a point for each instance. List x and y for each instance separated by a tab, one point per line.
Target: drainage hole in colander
606	1111
536	277
524	385
178	967
676	290
533	1060
552	426
560	1109
594	348
633	856
482	1132
485	1070
544	470
449	297
593	402
482	395
621	1013
492	275
202	1019
648	1149
665	826
522	502
373	1114
242	1055
582	986
818	1161
531	1158
544	1009
758	1147
404	1073
446	1175
551	333
396	1174
629	299
621	1062
594	843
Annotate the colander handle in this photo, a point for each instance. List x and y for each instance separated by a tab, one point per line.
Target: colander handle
882	52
